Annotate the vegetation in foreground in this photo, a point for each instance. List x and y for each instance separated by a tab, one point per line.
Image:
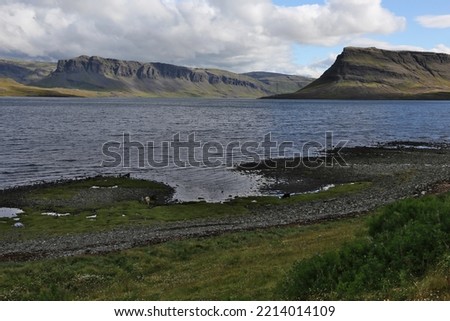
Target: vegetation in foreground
235	266
406	249
400	253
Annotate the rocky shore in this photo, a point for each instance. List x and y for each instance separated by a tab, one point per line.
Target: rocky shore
394	171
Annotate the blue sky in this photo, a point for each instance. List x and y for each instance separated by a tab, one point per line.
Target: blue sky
296	37
414	35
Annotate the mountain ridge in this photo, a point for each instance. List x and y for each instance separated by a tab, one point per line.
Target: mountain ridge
25	72
163	80
371	73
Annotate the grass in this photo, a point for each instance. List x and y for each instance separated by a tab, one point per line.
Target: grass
9	87
115	201
406	254
399	253
337	191
237	266
72	188
62	198
120	215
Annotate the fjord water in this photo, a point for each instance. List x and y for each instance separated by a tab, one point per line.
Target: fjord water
46	139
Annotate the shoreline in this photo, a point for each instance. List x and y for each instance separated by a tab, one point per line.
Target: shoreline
393	173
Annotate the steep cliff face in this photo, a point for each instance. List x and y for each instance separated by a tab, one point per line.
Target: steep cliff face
158	79
370	73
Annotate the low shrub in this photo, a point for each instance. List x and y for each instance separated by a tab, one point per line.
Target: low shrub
404	241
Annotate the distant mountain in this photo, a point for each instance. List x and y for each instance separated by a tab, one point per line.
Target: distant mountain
371	73
25	72
280	83
131	78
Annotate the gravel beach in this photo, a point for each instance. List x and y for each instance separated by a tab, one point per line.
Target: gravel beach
395	171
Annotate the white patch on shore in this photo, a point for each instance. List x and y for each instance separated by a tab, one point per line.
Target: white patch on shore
98	187
56	214
6	212
93	217
327	187
322	189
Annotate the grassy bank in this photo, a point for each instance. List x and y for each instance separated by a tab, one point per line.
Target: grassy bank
88	205
356	258
400	252
116	202
238	266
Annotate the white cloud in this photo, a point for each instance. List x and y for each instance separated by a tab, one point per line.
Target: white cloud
317	68
367	42
441	48
232	34
333	22
439	22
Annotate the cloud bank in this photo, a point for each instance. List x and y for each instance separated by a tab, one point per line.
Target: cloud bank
233	34
437	22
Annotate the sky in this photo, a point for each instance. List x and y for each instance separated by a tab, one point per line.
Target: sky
288	36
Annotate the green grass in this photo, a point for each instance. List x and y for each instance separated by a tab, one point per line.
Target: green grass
9	87
337	191
81	201
65	191
401	252
117	216
407	244
237	266
133	212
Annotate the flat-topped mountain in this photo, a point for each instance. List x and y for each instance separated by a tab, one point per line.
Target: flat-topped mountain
371	73
164	80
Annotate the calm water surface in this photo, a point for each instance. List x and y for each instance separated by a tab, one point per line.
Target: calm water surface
47	139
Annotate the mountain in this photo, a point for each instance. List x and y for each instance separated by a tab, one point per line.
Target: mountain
371	73
280	83
17	77
131	78
25	72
